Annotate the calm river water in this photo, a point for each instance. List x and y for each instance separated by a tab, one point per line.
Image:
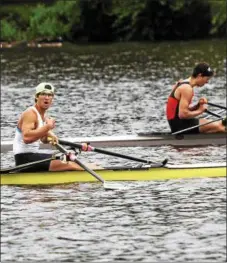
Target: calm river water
115	89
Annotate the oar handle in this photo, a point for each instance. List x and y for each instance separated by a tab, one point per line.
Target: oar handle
73	158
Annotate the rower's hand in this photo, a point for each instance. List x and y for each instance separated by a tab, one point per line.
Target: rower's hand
52	139
202	105
203	101
50	122
86	147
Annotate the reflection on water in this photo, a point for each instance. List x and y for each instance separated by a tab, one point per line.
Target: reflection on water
113	90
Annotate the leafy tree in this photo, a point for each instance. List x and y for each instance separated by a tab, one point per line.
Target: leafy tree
108	20
96	19
8	31
53	21
127	18
14	22
218	10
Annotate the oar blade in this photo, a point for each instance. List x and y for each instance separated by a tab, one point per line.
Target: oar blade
165	162
114	186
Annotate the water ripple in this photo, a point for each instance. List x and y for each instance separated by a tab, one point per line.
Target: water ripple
113	90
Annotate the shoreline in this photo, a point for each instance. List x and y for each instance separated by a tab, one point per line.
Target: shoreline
30	44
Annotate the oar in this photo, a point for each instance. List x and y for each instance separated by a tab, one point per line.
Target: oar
196	126
204	101
216	105
98	150
25	166
73	158
213	114
218	113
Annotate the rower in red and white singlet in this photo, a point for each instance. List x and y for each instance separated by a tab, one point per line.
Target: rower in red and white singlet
179	112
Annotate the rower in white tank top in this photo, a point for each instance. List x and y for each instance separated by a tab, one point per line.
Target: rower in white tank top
26	144
18	143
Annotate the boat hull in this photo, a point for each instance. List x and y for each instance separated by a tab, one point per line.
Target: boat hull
140	140
121	174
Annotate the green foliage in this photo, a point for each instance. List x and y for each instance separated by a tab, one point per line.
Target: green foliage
8	31
127	16
175	5
96	20
108	20
14	22
218	9
160	19
21	12
53	21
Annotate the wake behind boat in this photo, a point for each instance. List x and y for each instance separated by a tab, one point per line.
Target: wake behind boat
142	139
150	173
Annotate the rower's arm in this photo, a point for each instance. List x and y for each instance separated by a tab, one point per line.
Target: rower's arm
185	111
202	100
28	128
194	107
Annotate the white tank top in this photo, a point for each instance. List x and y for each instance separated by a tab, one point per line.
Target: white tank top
18	144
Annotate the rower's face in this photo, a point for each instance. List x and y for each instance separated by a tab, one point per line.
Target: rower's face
202	80
44	100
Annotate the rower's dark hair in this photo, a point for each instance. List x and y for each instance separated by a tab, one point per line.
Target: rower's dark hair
204	69
37	95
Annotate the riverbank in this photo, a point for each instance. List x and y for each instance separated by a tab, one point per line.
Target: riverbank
31	44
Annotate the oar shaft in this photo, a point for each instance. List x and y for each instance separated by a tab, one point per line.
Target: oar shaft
220	111
71	144
98	150
121	156
26	165
199	125
216	105
74	159
213	114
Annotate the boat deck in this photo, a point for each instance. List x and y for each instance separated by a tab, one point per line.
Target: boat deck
140	140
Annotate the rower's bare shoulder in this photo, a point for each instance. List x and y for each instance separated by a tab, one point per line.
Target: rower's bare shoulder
29	114
185	88
185	85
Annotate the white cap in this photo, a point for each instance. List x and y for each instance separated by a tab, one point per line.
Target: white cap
45	87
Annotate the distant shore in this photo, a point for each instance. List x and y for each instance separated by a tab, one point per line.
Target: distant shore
33	43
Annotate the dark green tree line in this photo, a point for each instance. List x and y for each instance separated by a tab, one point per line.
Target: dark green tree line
113	20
